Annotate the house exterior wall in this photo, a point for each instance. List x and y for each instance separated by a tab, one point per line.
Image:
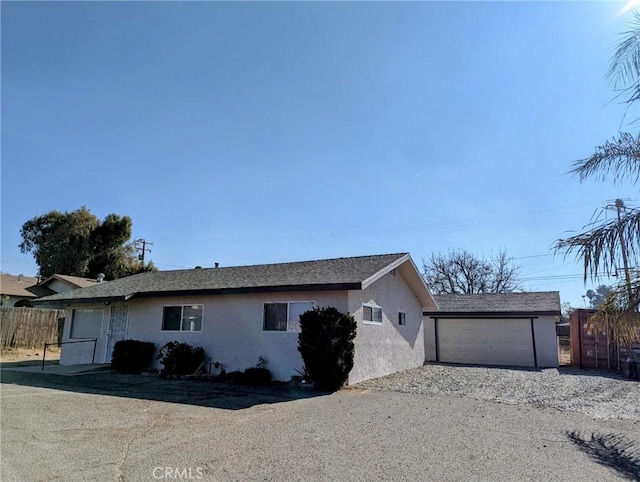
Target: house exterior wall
60	286
78	353
429	339
9	301
382	349
546	341
232	330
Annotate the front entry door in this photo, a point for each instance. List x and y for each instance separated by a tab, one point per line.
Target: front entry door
118	322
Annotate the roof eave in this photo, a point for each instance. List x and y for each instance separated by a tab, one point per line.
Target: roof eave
412	275
490	314
218	291
75	301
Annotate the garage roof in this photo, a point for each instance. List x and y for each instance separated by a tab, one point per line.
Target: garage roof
529	303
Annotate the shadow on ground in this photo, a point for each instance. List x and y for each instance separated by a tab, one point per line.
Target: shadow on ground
585	372
610	450
191	392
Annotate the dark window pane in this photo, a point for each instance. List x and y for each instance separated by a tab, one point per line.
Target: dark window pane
171	318
86	323
367	313
377	315
297	308
275	316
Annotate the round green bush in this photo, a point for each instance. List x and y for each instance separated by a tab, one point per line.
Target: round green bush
132	356
326	346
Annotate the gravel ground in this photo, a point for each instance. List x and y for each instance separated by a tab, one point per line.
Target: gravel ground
600	395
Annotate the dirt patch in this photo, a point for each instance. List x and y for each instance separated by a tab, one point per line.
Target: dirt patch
27	354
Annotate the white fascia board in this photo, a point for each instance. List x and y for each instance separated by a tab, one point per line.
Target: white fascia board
391	266
413	278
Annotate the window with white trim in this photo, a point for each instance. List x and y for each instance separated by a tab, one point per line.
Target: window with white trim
371	314
182	318
285	316
86	323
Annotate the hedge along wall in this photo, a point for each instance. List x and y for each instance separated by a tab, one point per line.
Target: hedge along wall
29	327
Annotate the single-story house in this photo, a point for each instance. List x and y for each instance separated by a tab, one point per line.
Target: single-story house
62	283
14	289
510	329
238	314
19	290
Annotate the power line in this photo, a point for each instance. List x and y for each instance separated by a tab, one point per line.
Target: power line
498	218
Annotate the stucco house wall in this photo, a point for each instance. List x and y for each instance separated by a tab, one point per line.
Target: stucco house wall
60	286
232	330
382	349
82	352
429	339
544	328
9	301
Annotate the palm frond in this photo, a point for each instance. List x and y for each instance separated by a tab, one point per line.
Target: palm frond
619	312
619	158
624	69
599	246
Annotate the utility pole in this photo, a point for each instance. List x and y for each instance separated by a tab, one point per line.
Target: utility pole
144	248
623	249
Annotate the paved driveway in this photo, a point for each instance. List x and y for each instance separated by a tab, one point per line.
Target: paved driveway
111	427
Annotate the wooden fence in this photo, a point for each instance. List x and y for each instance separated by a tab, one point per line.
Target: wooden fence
29	327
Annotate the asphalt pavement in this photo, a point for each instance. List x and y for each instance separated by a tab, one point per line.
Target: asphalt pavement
106	426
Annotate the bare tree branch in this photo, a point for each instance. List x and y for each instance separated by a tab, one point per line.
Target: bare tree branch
460	272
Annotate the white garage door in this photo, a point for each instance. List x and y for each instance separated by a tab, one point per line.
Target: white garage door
505	342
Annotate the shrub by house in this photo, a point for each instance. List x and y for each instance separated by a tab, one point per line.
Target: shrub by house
326	346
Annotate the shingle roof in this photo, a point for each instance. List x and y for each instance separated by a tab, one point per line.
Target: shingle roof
16	285
72	280
338	273
532	302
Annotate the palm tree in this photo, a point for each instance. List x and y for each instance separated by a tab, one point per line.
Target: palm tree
605	245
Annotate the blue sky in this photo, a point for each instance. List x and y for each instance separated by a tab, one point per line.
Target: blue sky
247	133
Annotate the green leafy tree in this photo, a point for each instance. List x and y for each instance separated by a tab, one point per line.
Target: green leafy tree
460	272
596	297
326	346
566	308
79	244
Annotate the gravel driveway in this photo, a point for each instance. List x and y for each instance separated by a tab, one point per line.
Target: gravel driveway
600	395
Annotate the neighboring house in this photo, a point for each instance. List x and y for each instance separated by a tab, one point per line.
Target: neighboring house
510	329
14	290
238	314
62	283
22	290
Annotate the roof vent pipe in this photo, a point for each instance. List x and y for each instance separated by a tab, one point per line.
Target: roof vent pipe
100	277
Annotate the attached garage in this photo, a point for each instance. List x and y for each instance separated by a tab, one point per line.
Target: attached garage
511	329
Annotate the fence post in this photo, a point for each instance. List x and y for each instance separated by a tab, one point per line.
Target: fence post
44	354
